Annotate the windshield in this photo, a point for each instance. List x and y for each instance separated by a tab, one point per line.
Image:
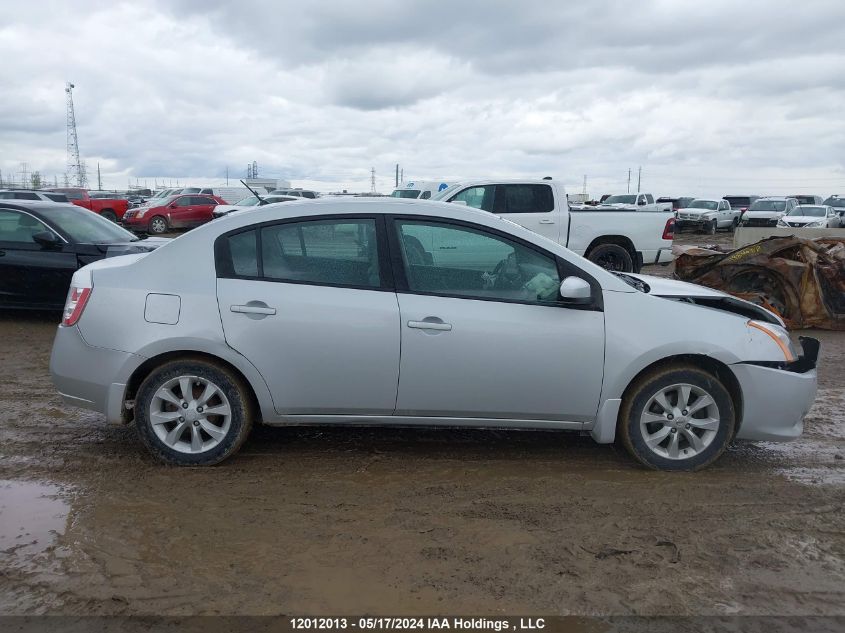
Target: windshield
704	204
406	193
738	201
249	201
86	227
838	203
816	212
623	199
768	205
805	199
190	190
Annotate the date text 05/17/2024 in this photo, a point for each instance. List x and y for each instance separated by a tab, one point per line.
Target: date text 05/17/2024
416	624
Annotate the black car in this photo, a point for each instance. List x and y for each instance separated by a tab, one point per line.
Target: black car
677	203
43	243
740	203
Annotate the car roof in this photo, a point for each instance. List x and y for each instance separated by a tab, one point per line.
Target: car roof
33	205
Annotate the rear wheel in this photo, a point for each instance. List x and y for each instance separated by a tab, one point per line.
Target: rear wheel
109	215
612	257
192	413
678	418
158	225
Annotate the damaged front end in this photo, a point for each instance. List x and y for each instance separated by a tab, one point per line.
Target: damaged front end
801	280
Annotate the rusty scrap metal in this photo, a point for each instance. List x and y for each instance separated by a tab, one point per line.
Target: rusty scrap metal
802	280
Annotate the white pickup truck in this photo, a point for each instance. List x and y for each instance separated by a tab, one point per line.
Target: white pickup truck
621	240
635	202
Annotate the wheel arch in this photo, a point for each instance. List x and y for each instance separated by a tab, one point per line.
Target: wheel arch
259	397
604	429
620	240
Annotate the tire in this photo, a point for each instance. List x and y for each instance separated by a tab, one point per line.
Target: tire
644	421
157	225
183	432
109	215
612	257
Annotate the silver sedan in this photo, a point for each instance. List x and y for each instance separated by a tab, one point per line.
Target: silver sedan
399	312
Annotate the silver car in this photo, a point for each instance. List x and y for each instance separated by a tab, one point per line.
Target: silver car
400	312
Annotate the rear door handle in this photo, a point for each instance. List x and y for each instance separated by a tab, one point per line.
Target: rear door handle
253	309
430	325
547	221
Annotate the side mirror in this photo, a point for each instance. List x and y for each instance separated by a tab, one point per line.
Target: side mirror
46	239
641	202
575	291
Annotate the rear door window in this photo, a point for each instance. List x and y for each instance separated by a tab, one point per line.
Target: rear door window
526	199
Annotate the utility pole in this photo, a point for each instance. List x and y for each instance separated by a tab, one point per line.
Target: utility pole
254	169
227	175
639	177
397	175
629	180
100	179
402	175
584	190
24	176
372	180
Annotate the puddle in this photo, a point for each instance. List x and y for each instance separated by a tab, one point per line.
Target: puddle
32	514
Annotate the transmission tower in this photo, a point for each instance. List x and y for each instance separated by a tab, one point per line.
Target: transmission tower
74	164
373	180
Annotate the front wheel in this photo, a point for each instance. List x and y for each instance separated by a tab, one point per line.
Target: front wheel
192	413
612	257
678	418
158	225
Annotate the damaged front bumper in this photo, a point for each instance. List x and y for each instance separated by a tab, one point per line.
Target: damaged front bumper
777	396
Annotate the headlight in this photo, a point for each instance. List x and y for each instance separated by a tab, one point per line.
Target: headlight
815	225
782	223
141	213
779	336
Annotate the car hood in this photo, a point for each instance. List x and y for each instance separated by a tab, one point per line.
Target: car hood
803	219
705	297
695	211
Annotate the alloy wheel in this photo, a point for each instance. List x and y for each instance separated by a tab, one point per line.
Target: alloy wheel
190	414
680	421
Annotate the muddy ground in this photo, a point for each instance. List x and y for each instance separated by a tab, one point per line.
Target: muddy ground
407	521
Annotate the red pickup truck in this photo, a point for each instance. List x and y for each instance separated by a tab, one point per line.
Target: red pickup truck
110	208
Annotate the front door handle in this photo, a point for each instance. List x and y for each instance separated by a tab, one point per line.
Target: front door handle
547	221
430	325
253	309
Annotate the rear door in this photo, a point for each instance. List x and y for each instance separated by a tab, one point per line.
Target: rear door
203	209
311	304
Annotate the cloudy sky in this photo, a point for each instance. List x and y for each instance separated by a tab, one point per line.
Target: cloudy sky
709	98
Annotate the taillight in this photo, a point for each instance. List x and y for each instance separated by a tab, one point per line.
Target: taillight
669	230
75	304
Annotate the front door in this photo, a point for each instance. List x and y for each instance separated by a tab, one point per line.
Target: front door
483	333
310	303
32	275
